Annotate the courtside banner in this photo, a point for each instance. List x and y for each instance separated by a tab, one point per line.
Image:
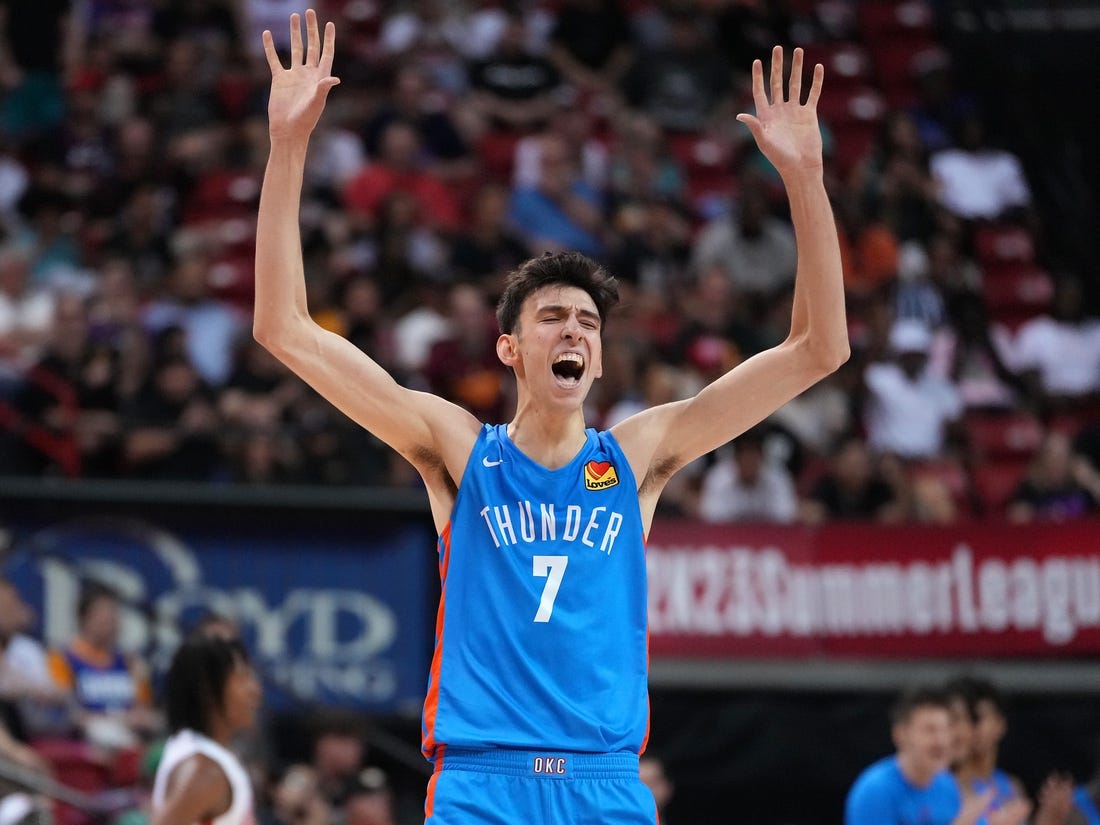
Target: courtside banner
329	616
983	590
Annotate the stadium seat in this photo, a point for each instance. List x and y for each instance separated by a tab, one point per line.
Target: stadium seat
1017	293
997	244
846	64
996	481
887	19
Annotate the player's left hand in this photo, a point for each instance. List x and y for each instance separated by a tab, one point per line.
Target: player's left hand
785	129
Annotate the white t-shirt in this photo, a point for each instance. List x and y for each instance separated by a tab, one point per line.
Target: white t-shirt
1066	355
187	743
979	184
725	497
907	417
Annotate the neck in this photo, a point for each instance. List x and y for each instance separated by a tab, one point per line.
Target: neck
551	440
982	766
916	774
221	732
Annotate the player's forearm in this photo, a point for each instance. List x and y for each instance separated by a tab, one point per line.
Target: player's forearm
280	273
818	317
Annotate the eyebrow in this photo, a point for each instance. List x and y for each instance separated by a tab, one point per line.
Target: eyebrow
557	308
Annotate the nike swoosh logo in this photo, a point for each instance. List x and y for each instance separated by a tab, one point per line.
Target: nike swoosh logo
489	463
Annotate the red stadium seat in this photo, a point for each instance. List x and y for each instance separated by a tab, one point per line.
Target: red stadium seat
1015	294
996	244
859	104
996	481
846	64
885	19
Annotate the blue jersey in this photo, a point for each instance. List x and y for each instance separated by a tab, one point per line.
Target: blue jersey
1084	803
1003	791
541	634
881	795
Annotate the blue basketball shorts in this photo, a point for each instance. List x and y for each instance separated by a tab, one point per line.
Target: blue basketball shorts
514	787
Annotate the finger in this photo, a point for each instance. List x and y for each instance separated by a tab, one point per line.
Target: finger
313	39
815	87
758	96
777	75
753	123
795	83
295	40
273	62
330	45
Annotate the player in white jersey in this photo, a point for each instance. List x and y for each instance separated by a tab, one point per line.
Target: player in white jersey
211	694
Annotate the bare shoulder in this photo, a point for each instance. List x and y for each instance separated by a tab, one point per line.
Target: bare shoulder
197	790
640	436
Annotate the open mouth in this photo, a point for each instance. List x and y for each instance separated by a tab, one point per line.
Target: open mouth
568	368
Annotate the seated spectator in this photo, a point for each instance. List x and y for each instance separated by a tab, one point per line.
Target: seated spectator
1058	356
1058	486
749	486
562	212
591	44
573	125
414	102
33	704
852	489
399	168
72	393
909	410
210	327
977	181
172	426
110	688
369	800
489	249
685	85
643	168
26	311
514	90
296	799
338	752
755	248
976	355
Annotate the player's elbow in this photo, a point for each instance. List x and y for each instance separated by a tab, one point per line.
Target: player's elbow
824	355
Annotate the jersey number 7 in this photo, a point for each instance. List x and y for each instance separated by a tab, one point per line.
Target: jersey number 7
553	568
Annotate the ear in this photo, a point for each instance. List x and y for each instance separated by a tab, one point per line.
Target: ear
507	350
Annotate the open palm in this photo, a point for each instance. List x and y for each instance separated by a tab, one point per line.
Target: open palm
785	129
298	94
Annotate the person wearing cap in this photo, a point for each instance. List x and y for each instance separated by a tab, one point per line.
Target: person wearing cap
909	410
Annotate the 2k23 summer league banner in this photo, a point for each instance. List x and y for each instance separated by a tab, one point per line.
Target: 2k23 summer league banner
332	618
870	591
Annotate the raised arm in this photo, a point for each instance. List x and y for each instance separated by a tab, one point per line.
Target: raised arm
661	440
433	434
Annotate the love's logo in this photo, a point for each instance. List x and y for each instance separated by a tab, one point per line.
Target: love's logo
599	475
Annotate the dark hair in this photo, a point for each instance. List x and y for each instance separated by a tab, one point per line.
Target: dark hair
92	593
194	685
973	690
556	269
914	698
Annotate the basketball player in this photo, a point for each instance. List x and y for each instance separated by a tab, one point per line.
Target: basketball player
210	694
537	707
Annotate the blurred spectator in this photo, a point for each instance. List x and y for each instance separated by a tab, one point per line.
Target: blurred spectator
172	426
749	486
868	249
73	394
369	800
26	311
755	248
561	212
434	33
489	249
16	806
976	180
909	410
976	352
338	751
1059	355
514	89
574	126
685	84
464	367
917	297
31	701
296	799
400	168
852	489
591	44
716	330
413	101
37	49
211	328
111	689
643	168
894	180
652	255
1058	486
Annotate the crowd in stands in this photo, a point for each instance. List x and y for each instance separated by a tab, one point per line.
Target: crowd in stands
466	137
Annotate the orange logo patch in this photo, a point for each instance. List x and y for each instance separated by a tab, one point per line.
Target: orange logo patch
599	475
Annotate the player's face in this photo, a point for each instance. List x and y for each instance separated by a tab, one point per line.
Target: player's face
241	699
926	738
962	730
556	349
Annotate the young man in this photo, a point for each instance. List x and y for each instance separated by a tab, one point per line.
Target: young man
540	668
211	694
